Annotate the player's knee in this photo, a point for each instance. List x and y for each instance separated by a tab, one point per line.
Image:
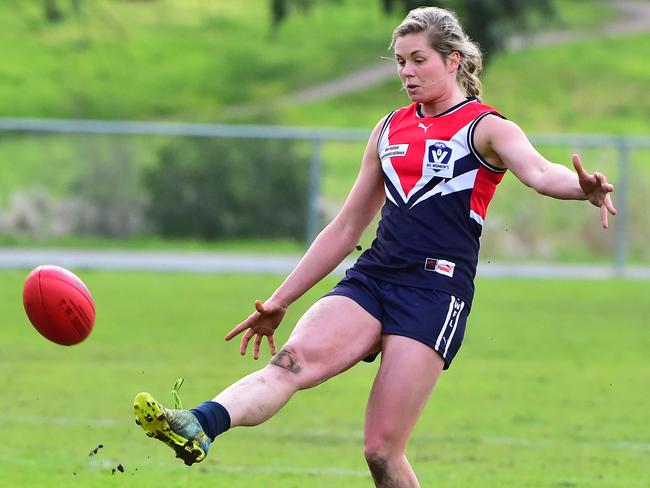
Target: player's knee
380	447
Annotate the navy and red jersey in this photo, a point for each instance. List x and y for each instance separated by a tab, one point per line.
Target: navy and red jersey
438	188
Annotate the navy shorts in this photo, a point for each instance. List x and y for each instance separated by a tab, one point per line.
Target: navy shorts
432	317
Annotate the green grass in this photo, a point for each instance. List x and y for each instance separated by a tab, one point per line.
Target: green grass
577	14
553	397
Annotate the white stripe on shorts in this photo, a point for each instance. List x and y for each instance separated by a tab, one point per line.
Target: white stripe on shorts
444	326
453	330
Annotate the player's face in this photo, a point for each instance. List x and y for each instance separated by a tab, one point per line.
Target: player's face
425	75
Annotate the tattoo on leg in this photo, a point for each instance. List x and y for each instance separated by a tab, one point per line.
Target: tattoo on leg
286	359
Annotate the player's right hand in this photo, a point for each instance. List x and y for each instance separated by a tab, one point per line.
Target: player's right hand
596	189
262	322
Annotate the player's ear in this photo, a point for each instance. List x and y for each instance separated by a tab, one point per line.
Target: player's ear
453	61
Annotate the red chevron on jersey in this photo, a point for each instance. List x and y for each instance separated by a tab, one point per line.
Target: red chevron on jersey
441	141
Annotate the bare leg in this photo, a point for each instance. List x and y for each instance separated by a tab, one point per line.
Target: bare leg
409	370
332	336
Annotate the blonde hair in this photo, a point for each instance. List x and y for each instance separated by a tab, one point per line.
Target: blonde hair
445	35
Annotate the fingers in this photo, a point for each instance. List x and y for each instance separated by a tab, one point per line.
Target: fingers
602	183
244	341
606	207
243	346
241	327
246	323
272	345
586	181
607	202
580	169
253	325
256	346
601	189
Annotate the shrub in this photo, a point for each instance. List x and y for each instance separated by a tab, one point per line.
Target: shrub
229	188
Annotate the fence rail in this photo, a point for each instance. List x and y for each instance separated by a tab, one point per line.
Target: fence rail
622	145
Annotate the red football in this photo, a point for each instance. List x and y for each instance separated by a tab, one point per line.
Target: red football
58	305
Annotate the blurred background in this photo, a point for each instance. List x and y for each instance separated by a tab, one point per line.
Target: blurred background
238	127
220	136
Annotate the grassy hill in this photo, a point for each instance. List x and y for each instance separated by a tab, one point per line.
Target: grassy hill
174	59
221	62
194	61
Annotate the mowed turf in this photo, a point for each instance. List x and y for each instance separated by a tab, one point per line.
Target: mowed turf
549	389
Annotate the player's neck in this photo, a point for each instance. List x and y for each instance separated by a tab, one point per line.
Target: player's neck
442	104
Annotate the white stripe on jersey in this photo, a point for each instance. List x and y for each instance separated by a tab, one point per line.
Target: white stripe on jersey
459	149
387	166
475	216
445	187
458	145
389	196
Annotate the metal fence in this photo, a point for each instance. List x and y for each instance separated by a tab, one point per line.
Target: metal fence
519	226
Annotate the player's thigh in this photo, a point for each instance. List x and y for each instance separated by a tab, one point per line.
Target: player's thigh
332	336
407	375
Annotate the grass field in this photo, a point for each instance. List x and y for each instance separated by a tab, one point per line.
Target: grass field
549	390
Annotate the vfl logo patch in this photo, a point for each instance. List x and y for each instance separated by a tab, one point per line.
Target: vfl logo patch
437	160
440	266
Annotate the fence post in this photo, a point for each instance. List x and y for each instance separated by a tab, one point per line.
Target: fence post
313	220
620	238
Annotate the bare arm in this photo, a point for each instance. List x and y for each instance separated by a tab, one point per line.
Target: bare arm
339	238
504	144
328	250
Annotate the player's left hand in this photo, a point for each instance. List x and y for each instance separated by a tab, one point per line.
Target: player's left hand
596	189
261	323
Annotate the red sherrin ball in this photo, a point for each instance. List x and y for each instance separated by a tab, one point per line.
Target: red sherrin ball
58	305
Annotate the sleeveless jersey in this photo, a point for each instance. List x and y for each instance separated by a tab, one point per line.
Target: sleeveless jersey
437	192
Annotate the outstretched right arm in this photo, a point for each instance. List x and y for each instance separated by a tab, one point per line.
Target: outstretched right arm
331	246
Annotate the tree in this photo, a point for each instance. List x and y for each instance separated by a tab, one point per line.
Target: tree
487	22
54	12
281	8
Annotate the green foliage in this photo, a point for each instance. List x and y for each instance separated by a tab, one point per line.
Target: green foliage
553	397
491	22
225	189
487	22
281	8
55	11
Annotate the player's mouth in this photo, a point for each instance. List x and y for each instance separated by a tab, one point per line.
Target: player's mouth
410	87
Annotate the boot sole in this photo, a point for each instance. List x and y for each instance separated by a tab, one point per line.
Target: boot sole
151	417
